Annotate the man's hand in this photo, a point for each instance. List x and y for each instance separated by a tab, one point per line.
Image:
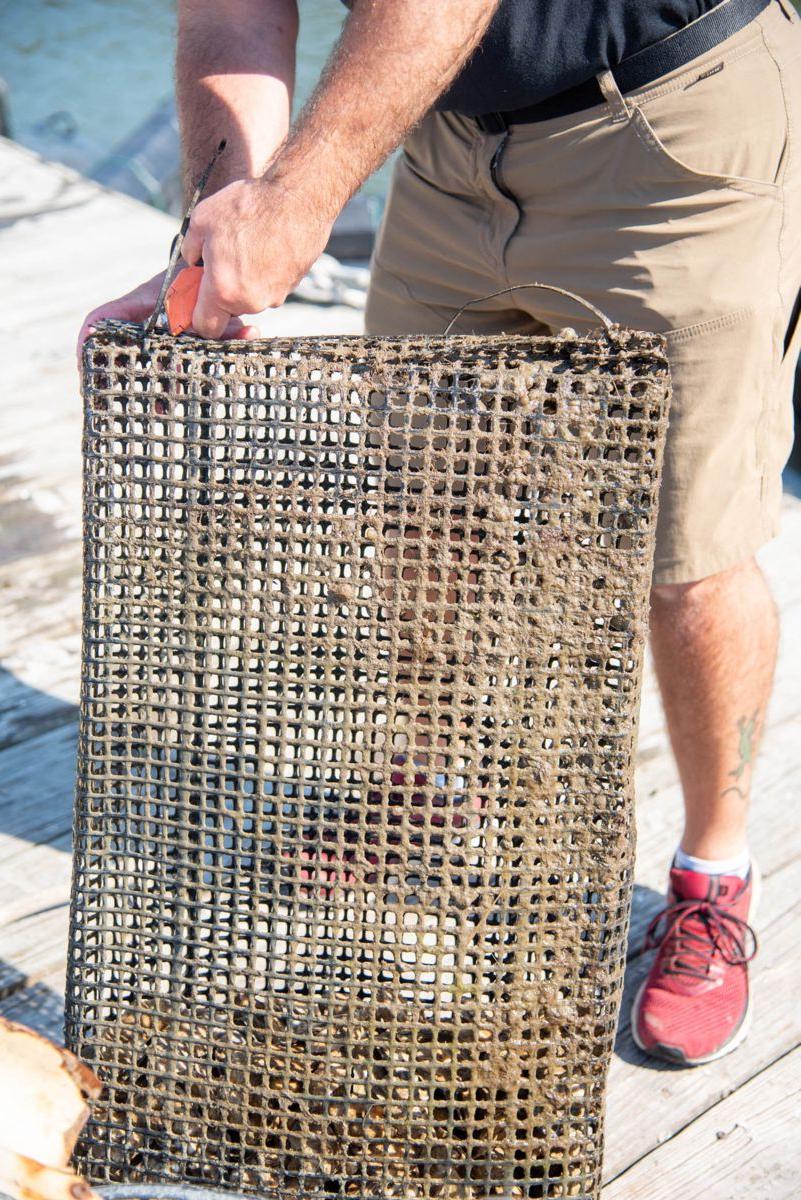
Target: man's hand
133	306
138	305
257	239
235	64
259	236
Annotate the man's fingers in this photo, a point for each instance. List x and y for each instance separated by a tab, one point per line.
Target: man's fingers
135	306
209	319
192	247
127	308
236	328
86	330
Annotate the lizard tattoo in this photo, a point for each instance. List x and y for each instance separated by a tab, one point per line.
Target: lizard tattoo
747	727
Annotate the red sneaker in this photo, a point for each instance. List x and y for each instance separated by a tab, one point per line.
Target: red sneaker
694	1005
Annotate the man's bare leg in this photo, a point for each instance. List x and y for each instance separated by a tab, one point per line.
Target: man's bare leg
714	645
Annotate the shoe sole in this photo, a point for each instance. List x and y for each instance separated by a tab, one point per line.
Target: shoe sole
672	1054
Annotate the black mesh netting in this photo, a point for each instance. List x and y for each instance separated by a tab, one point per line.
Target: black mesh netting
363	631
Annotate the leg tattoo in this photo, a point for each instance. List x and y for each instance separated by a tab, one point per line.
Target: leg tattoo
747	727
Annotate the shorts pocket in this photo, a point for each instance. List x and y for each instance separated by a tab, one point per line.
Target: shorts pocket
712	325
722	124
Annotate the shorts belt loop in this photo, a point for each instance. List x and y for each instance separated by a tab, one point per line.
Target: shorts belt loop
613	96
789	11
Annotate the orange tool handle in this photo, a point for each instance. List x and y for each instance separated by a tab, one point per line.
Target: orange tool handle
181	298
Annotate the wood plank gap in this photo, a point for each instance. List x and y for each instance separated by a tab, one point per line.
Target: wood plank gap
65	714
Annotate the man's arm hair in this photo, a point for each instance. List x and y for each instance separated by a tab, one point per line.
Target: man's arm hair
392	62
235	70
258	237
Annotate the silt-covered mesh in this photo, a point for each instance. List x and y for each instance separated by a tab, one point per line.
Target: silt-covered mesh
362	642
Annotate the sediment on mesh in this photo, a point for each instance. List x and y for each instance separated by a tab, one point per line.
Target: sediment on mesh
362	642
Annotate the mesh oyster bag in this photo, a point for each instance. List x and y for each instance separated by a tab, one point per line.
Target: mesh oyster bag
363	631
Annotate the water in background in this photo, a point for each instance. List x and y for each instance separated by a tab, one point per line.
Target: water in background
83	74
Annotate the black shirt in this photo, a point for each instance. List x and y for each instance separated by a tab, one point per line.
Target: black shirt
534	49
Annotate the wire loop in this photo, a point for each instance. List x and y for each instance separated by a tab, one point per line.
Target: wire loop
607	323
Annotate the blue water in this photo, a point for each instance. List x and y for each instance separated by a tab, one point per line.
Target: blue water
83	74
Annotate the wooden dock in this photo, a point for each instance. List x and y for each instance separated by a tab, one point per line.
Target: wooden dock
727	1131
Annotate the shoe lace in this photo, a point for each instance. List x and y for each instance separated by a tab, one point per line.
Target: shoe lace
698	930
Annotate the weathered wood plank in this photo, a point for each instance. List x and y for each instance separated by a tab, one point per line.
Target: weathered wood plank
37	780
27	713
743	1147
40	641
35	878
35	864
40	1006
32	948
40	604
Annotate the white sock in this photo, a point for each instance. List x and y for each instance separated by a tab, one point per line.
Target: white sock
739	865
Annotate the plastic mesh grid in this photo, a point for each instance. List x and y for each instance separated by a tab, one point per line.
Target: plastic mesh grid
363	629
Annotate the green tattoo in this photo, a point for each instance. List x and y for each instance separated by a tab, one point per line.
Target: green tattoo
747	727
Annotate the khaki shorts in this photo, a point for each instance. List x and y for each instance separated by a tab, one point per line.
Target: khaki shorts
675	209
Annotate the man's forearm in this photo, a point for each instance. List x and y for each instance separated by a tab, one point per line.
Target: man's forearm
235	66
395	57
258	237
